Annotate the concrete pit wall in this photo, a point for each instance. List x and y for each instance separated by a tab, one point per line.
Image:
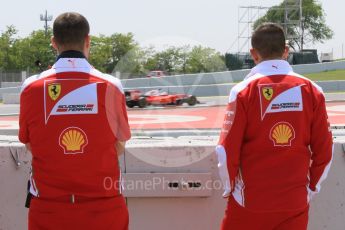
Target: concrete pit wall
157	206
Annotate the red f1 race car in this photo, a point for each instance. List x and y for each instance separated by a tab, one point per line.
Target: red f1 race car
156	97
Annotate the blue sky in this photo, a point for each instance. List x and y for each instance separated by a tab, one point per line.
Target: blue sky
210	23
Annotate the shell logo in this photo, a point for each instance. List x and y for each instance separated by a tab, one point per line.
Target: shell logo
282	134
73	140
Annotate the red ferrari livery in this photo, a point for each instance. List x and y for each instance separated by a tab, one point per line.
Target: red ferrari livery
156	97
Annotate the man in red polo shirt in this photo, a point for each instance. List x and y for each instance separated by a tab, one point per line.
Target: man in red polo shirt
73	119
275	146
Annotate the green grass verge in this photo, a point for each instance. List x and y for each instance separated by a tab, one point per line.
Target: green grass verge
327	76
323	76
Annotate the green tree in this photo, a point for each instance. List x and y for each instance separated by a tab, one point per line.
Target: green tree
171	60
314	26
107	51
21	53
203	59
149	59
118	52
132	64
100	52
232	62
184	59
32	48
7	41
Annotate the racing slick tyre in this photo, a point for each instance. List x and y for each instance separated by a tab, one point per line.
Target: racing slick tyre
142	103
192	101
130	104
179	102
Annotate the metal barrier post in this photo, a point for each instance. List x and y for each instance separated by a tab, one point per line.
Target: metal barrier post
23	76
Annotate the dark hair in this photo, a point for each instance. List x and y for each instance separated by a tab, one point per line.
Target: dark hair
269	40
70	29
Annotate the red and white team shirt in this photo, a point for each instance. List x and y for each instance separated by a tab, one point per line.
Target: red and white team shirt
275	146
73	115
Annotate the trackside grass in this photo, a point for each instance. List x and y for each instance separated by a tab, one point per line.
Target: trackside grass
327	75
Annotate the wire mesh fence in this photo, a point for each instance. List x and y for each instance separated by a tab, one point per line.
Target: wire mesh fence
15	76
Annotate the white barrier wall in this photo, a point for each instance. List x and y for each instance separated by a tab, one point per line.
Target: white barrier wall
153	204
319	67
9	90
11	97
10	84
202	84
221	77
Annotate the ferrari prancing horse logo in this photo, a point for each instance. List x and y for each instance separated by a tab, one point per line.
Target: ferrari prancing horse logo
267	92
54	90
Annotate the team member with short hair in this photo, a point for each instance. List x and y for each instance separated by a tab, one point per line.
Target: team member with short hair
74	120
275	146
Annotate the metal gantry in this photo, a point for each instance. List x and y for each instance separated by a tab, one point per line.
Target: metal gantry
293	16
247	15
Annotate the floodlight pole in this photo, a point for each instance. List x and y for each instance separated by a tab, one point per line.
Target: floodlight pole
301	23
46	18
286	18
